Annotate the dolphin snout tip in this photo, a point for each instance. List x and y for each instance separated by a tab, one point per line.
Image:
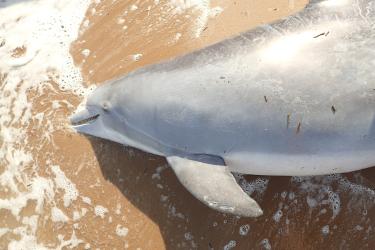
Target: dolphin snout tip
83	117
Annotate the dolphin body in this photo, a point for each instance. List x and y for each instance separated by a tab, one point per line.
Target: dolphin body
296	97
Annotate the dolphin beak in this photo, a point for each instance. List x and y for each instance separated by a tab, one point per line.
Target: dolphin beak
88	122
83	117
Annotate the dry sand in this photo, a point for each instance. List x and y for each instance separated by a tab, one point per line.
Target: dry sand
106	196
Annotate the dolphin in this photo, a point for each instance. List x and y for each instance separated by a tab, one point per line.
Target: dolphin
293	98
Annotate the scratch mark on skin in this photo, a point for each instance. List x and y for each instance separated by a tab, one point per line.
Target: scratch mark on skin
322	34
298	128
265	99
287	121
333	109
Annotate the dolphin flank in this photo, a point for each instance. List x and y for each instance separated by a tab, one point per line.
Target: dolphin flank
296	97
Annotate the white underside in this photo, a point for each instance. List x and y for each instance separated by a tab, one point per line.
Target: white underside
299	165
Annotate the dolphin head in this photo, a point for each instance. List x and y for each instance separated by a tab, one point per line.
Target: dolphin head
99	118
110	112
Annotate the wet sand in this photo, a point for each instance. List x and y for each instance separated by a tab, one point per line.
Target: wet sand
115	197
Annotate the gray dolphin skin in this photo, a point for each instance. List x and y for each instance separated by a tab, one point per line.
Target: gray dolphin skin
296	97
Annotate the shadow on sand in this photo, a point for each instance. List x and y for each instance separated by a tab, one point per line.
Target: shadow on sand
185	223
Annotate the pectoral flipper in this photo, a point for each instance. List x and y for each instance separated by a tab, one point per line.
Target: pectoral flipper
215	186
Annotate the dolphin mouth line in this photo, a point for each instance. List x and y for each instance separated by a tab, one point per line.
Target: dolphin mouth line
88	120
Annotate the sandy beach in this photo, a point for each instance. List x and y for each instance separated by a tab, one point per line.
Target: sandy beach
63	190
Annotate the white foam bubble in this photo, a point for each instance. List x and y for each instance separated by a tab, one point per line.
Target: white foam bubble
121	230
325	230
62	182
100	211
73	242
120	20
265	243
202	7
230	245
216	11
335	203
284	194
58	216
311	202
76	215
173	212
277	215
26	242
257	186
86	52
118	209
244	229
188	236
177	36
133	7
86	200
137	57
83	211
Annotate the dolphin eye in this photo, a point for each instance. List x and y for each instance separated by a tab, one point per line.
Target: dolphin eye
105	106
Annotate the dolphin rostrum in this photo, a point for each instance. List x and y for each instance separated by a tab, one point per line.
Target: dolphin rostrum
296	97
